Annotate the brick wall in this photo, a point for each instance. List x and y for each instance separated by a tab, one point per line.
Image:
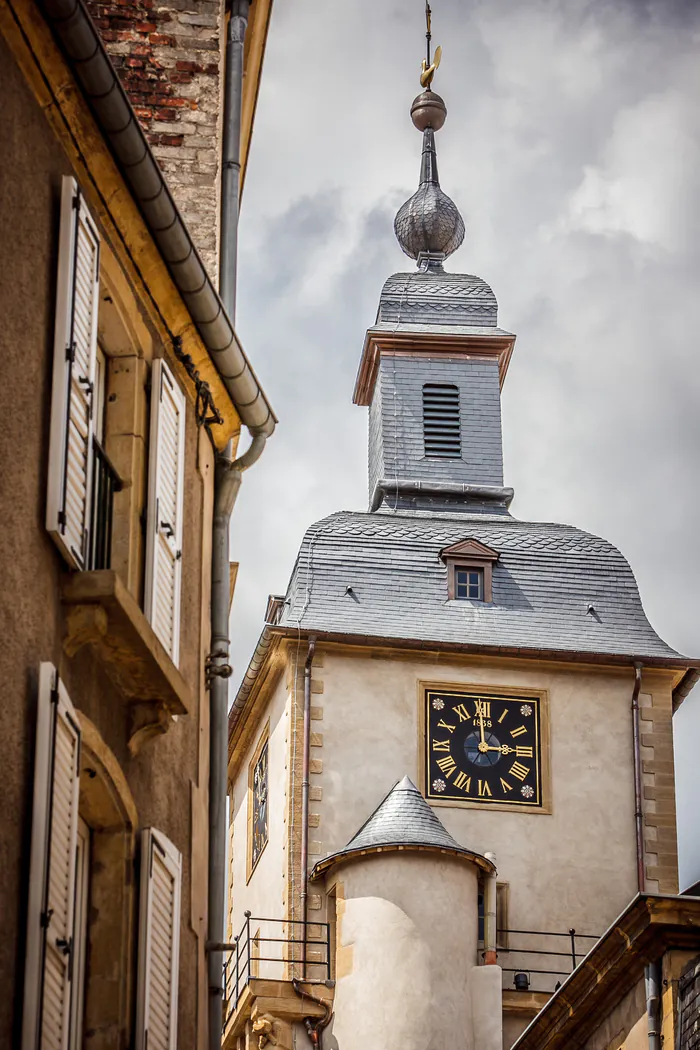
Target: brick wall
169	58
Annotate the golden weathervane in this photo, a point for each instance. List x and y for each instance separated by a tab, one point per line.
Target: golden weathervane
428	67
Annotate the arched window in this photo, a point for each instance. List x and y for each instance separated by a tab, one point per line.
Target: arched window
441	430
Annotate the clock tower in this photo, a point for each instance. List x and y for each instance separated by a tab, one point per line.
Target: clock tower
450	758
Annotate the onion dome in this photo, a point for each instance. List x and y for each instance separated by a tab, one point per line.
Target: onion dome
428	226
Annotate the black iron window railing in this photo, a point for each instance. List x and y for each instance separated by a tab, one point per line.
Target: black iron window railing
550	957
105	482
275	949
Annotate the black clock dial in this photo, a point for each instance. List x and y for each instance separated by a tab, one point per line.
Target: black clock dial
483	748
260	814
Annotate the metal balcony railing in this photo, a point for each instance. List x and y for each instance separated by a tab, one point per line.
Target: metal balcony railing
275	949
551	957
105	482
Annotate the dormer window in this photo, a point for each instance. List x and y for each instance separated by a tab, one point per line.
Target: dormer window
441	429
469	571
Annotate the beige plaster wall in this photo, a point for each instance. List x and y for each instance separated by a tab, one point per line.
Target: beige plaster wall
263	893
406	936
31	615
572	868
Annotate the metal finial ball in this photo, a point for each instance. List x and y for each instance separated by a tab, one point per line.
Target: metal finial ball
428	111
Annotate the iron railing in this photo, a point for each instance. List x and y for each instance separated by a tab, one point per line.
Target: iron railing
546	954
275	949
105	482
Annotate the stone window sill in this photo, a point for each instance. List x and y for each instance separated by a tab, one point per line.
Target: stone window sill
102	613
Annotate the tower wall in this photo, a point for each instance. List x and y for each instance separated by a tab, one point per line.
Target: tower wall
396	446
406	946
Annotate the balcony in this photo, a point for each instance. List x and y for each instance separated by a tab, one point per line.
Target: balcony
105	482
279	969
101	612
540	958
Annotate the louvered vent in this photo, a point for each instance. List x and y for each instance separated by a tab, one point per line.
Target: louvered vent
441	432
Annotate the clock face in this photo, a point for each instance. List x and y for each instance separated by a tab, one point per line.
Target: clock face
482	748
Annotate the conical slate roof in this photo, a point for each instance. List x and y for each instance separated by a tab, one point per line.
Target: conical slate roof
402	821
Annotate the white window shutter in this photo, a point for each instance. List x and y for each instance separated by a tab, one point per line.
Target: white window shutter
48	958
75	347
159	943
166	473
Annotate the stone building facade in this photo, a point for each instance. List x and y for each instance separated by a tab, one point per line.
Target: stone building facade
113	413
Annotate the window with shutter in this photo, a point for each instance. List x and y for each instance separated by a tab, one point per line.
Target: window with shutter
48	960
159	943
165	507
75	346
441	425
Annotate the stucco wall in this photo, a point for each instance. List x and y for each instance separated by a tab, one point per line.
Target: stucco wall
406	936
572	868
263	893
31	616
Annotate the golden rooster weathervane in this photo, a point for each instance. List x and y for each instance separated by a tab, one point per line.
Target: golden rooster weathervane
428	67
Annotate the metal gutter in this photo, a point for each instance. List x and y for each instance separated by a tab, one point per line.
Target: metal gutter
638	785
100	84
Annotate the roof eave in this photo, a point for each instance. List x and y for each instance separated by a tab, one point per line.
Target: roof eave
346	855
499	345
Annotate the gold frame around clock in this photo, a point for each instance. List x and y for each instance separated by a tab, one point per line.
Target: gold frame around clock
497	690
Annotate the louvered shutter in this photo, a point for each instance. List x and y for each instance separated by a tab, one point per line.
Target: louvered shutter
75	346
48	959
165	499
159	943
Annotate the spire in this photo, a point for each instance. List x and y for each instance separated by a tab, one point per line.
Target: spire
428	226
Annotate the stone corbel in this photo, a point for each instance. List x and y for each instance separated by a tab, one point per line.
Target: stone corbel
147	720
271	1031
85	625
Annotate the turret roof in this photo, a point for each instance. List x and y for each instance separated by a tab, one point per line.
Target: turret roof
402	820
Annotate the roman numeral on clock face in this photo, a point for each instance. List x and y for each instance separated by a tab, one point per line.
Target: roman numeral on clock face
483	709
519	731
463	782
523	752
462	713
505	785
441	745
447	765
442	724
484	789
519	770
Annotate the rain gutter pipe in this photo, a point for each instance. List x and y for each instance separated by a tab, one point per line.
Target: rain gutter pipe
86	55
305	772
490	919
227	482
652	988
638	809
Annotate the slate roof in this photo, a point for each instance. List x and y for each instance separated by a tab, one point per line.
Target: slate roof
546	578
433	300
403	819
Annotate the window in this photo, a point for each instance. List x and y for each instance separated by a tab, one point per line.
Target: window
258	811
441	427
469	571
469	583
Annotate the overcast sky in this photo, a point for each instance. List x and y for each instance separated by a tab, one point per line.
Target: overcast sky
572	148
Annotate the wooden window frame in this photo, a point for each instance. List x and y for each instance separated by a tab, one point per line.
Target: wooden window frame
263	740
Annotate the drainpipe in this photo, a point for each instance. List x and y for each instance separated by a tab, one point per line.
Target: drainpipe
227	482
652	985
305	796
490	956
638	791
